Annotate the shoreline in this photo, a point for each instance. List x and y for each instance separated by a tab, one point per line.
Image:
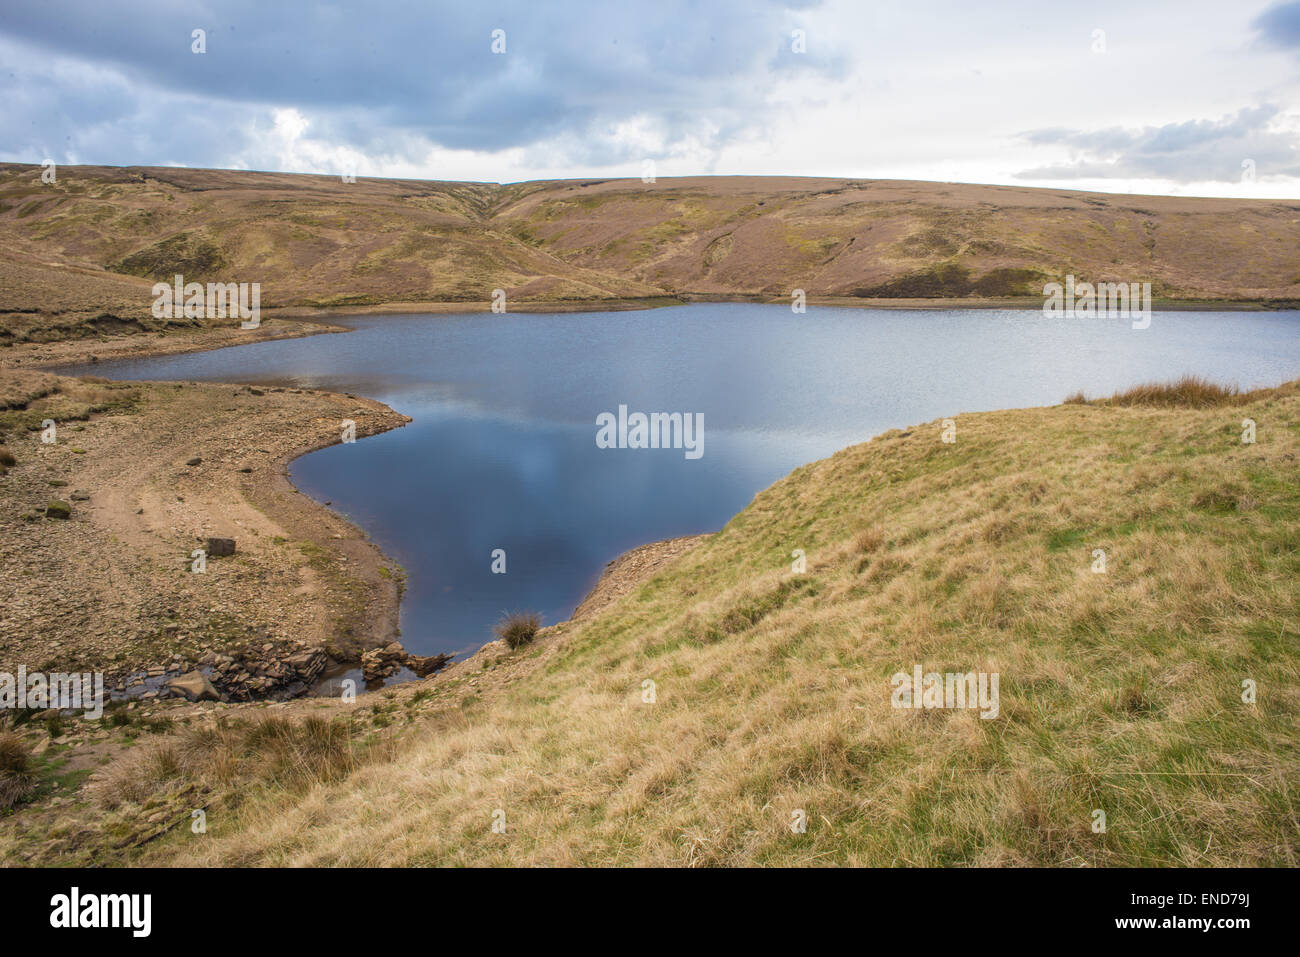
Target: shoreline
300	321
296	322
373	625
271	488
153	470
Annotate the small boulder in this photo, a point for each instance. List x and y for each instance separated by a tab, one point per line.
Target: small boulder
195	461
195	686
58	509
219	547
424	666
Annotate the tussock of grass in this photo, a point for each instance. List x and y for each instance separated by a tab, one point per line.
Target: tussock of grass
273	750
17	779
870	539
1189	392
518	628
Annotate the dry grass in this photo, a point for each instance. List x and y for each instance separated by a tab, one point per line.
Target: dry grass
1189	392
870	539
17	779
274	751
518	628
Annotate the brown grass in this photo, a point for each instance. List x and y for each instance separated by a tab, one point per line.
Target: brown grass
1189	392
292	755
869	539
518	628
17	779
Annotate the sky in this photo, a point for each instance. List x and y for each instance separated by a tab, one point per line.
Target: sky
1186	97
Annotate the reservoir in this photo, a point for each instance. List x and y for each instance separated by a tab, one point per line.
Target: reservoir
503	453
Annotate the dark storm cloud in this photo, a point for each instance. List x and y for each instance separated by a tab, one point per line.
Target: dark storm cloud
382	70
1193	151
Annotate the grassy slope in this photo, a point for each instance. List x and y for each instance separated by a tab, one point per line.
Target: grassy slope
1119	691
94	241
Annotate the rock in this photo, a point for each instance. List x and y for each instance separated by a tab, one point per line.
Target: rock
217	547
375	666
307	664
80	495
424	666
194	461
195	686
58	509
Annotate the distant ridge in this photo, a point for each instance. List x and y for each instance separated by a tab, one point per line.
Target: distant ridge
93	242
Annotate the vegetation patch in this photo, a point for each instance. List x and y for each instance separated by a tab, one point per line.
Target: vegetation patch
196	258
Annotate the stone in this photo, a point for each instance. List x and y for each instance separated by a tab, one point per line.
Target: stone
218	547
195	686
58	509
194	461
424	666
80	495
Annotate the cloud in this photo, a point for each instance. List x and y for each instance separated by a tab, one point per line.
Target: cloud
1195	151
1279	26
400	74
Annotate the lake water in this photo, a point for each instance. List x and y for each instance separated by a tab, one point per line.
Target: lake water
503	455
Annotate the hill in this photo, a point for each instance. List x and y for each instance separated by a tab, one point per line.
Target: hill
81	253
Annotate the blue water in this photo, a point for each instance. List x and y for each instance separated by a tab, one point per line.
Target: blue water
502	452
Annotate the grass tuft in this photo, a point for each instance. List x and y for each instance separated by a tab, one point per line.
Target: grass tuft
518	628
1189	392
17	779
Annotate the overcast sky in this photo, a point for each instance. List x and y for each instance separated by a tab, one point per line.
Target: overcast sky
1141	95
